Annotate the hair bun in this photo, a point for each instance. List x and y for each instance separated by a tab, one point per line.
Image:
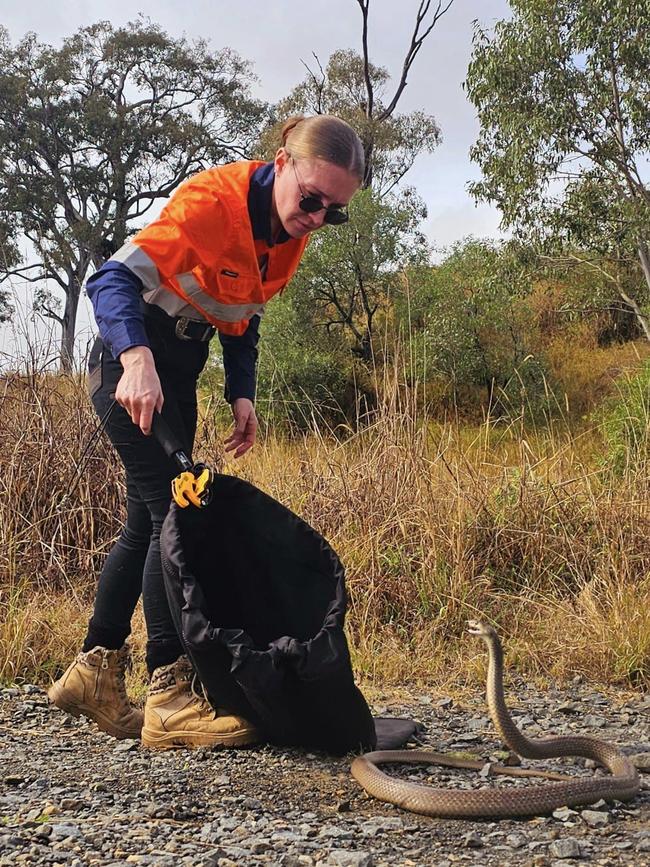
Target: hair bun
324	137
290	124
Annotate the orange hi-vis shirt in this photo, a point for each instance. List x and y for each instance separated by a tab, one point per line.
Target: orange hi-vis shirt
200	253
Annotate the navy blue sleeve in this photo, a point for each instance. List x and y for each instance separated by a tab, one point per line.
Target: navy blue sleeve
239	360
114	291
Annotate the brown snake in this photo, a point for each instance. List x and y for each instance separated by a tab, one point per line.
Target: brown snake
622	785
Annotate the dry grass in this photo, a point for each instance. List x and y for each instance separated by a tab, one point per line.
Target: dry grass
435	523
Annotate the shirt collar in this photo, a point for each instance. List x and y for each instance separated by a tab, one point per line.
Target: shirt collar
260	194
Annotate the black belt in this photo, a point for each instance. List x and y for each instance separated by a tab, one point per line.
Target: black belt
184	328
190	329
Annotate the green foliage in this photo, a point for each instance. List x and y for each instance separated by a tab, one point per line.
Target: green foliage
392	140
93	133
471	323
350	273
305	374
626	424
562	91
9	258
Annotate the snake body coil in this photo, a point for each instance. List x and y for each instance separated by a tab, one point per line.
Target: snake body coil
622	785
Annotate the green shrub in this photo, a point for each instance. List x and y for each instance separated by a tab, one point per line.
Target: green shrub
626	424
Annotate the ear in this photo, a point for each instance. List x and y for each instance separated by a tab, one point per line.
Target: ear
281	160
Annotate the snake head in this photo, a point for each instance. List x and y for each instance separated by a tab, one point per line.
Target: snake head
480	628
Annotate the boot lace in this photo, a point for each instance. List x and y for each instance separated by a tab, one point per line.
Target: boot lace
124	664
202	697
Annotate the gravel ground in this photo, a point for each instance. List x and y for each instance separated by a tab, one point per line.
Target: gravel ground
70	795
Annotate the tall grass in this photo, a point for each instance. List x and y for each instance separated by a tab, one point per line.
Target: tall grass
435	522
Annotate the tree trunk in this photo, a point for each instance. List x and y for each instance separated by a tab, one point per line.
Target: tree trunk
68	326
641	318
644	257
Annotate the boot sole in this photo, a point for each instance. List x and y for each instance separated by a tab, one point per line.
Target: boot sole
176	740
57	698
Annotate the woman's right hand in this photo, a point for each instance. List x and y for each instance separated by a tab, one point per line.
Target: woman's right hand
139	390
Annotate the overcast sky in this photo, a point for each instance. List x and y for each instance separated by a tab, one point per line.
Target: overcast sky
276	37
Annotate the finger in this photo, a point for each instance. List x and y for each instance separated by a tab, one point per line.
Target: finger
146	417
145	410
243	448
245	444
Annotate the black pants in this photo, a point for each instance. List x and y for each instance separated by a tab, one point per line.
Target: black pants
133	565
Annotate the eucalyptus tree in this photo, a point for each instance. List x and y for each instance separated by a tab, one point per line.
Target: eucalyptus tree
562	91
350	273
94	133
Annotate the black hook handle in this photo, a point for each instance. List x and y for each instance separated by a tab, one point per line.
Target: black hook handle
170	443
168	440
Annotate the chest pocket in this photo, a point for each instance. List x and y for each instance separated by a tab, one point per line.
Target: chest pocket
235	288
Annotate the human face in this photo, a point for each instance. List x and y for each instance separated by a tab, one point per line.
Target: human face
335	215
331	184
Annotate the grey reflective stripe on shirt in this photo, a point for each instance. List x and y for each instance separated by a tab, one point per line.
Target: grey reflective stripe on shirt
217	309
136	260
144	267
172	303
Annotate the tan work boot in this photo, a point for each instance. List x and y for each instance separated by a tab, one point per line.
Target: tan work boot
93	685
176	715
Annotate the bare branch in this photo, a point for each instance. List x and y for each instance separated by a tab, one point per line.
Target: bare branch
48	313
364	5
417	40
319	85
20	272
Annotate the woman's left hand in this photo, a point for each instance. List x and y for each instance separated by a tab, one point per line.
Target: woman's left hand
243	436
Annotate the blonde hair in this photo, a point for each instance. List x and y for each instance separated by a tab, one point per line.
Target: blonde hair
324	137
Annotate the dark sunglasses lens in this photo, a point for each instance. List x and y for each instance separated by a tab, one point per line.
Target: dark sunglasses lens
336	217
310	204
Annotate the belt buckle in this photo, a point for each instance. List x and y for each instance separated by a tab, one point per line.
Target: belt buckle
181	325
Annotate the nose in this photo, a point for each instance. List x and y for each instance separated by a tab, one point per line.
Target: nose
317	218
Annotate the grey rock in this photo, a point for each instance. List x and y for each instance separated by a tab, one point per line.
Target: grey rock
641	761
569	707
595	818
472	840
285	837
31	689
346	858
126	746
259	846
330	832
564	814
478	723
64	831
376	824
594	722
567	848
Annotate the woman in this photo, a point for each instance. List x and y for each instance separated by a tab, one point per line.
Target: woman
227	241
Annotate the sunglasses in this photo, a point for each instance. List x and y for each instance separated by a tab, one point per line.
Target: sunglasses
335	215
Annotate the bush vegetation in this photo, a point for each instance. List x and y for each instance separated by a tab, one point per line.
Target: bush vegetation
436	522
